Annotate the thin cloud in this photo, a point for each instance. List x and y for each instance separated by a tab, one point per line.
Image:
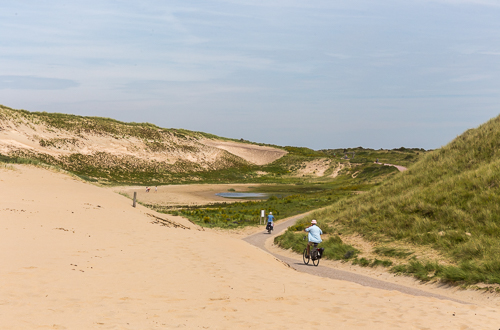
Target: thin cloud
470	78
194	88
491	3
276	3
339	56
490	53
37	83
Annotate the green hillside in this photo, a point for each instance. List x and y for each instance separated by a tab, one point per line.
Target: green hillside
156	155
447	203
109	168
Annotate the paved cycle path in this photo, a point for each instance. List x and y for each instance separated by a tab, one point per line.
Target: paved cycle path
259	240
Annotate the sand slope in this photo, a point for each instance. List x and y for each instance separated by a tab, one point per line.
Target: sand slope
76	256
22	134
255	154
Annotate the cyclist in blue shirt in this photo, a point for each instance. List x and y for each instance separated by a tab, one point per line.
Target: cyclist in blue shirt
270	221
314	236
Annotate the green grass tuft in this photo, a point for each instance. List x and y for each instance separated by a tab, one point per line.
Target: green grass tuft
392	252
335	249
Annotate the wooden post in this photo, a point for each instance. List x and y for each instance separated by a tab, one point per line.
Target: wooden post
135	198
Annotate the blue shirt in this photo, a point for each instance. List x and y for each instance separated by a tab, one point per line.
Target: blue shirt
270	218
314	234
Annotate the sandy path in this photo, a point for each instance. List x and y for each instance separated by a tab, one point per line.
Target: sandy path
76	256
399	167
263	240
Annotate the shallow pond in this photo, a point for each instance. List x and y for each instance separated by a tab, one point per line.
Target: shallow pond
242	195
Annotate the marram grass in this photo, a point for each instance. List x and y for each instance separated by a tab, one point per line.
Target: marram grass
449	201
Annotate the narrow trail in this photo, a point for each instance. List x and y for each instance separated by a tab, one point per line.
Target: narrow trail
259	239
399	167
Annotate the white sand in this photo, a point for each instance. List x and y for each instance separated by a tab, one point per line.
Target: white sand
259	155
184	194
76	256
24	135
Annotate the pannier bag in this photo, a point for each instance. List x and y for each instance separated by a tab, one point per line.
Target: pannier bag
320	252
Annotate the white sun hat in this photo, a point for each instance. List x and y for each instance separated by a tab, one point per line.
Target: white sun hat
313	222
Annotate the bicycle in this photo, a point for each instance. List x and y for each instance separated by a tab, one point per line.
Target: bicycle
315	255
269	227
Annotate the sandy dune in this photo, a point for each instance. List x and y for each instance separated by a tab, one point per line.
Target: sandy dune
259	155
76	256
21	134
316	167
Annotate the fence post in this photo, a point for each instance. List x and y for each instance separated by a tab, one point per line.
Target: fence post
135	198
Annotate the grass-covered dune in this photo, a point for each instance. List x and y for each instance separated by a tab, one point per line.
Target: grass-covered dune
111	151
114	152
448	203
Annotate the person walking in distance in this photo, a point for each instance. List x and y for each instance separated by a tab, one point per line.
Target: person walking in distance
314	236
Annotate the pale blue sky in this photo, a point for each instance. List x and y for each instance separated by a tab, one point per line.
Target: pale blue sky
320	74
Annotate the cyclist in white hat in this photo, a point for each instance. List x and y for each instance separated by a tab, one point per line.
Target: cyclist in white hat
314	236
270	222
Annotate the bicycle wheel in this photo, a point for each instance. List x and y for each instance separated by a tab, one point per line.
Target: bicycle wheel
304	257
316	262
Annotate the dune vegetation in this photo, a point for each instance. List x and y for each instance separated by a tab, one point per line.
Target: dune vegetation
284	201
111	152
447	204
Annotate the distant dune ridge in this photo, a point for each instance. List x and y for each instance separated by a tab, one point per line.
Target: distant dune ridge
89	144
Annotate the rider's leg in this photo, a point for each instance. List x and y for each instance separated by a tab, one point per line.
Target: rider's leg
308	249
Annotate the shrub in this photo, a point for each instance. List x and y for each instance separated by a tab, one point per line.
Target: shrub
335	249
392	252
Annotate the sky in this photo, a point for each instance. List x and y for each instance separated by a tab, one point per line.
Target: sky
319	74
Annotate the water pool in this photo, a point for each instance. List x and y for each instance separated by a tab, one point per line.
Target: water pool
242	195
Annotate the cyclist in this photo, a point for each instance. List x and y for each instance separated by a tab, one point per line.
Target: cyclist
314	236
270	221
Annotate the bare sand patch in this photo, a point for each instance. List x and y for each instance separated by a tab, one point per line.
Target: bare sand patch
337	170
255	154
317	168
181	195
77	256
